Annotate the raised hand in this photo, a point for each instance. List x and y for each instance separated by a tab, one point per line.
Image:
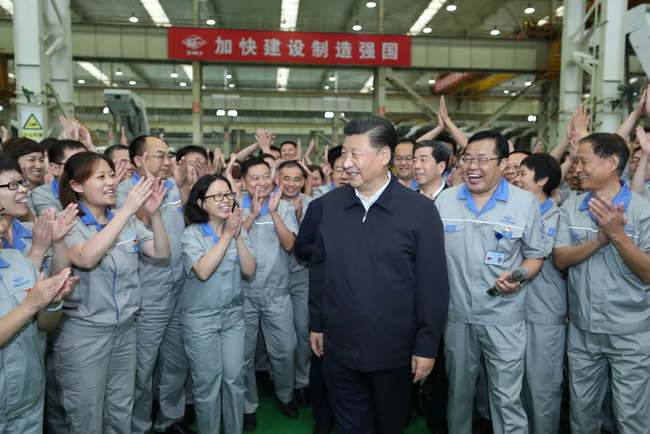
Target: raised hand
123	139
43	230
257	203
120	170
611	219
84	137
68	286
66	221
147	174
297	207
45	290
234	223
158	192
642	107
310	149
539	147
5	134
274	200
581	120
138	195
643	139
70	127
179	171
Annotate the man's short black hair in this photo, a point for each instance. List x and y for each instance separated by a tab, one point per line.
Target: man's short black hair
289	142
57	151
544	166
137	147
291	163
519	151
191	149
406	140
111	149
501	148
444	137
439	150
606	145
380	131
334	154
253	161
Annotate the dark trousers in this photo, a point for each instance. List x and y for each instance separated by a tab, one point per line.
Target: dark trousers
368	402
319	398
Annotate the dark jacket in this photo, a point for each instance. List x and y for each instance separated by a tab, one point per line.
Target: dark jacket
378	288
307	233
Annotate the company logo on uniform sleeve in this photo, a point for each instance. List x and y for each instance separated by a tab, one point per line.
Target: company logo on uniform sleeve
20	281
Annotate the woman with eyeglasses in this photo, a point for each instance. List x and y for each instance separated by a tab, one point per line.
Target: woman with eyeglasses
95	342
216	256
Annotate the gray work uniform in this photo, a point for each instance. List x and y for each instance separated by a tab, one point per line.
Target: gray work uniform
546	306
609	328
267	305
43	197
212	322
95	342
22	236
299	292
22	377
646	190
160	345
503	233
323	189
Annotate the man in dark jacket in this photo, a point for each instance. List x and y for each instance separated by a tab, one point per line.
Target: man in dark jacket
378	286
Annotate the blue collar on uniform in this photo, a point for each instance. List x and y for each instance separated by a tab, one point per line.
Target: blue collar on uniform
446	173
414	184
207	230
135	178
331	186
501	193
19	231
647	182
545	206
623	196
3	264
247	202
55	187
89	219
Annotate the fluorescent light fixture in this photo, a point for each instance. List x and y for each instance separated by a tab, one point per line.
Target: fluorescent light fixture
367	86
329	115
528	83
357	26
182	84
8	6
210	22
106	110
231	85
506	91
282	79
289	15
432	81
426	30
424	18
495	31
188	71
156	12
451	6
132	82
174	74
529	9
133	19
118	72
233	113
371	5
95	72
81	81
221	112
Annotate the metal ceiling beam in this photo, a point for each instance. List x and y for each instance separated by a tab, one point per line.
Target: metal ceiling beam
140	72
504	108
411	94
491	7
351	13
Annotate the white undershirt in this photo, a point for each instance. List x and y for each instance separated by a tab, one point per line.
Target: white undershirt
368	202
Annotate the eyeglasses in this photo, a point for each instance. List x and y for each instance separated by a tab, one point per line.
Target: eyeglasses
635	159
481	161
218	197
162	157
13	185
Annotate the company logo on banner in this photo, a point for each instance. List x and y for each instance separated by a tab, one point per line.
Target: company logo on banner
288	47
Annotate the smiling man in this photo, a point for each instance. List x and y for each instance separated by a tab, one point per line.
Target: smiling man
603	239
491	228
378	286
403	163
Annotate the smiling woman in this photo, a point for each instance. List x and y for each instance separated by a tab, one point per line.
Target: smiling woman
30	157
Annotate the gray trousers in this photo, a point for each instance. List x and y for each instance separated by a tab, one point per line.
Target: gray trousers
503	351
274	316
152	322
30	422
545	350
299	292
628	359
95	376
216	357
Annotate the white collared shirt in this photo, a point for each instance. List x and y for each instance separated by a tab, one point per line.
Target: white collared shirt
368	202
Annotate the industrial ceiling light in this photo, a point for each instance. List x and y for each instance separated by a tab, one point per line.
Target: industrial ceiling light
451	6
356	26
332	77
156	12
106	110
228	76
371	4
528	83
174	74
133	18
328	115
506	91
95	72
233	113
81	81
210	22
132	82
495	31
182	84
326	87
426	30
289	14
529	9
426	15
432	81
221	112
542	21
118	72
231	85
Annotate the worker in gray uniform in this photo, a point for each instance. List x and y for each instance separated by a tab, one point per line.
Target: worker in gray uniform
491	228
546	305
216	256
272	229
603	240
161	281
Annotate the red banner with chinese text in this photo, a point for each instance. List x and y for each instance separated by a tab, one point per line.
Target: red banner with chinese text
288	47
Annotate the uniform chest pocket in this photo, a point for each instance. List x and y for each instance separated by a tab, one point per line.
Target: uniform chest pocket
507	238
454	236
230	261
581	235
128	246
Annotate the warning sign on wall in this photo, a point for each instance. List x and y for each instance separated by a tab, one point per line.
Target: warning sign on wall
32	124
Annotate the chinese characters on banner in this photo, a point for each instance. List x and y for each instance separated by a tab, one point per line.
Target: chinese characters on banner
288	47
